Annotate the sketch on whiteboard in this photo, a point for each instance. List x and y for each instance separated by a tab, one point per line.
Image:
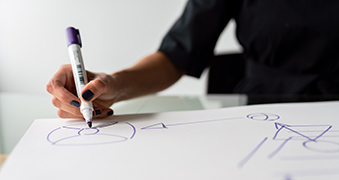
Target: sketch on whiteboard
114	132
80	135
312	137
253	116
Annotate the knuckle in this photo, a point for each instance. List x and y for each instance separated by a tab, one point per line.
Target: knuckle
99	84
63	97
55	101
65	67
49	87
61	114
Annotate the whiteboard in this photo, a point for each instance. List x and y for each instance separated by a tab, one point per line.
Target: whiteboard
292	141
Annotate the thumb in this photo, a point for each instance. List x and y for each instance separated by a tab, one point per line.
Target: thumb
93	89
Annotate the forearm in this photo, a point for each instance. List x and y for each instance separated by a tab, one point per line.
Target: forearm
150	75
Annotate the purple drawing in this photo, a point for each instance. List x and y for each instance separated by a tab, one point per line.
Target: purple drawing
263	117
311	137
320	139
253	116
249	156
101	133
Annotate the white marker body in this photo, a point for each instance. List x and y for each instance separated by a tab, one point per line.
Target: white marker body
80	79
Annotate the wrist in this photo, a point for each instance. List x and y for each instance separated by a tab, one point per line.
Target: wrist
119	87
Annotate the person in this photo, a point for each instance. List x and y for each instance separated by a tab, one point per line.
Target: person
290	47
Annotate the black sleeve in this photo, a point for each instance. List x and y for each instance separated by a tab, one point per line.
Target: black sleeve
190	42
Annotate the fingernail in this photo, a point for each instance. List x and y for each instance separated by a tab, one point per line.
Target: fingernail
110	113
75	104
97	112
87	95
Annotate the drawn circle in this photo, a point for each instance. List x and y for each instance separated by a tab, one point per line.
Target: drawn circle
103	133
88	131
322	146
263	117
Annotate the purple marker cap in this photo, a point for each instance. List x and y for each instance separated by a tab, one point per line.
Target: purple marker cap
73	36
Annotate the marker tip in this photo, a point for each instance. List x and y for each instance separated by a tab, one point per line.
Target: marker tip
89	124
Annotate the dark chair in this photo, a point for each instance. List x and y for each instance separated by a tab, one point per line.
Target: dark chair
225	72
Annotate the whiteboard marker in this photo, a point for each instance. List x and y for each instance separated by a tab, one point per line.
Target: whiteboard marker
79	72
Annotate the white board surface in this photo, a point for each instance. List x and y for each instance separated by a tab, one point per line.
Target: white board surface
282	141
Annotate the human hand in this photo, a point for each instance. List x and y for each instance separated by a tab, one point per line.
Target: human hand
101	90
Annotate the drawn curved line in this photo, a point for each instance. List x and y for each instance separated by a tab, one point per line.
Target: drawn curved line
320	150
134	130
267	116
55	143
85	144
49	134
97	130
106	125
75	128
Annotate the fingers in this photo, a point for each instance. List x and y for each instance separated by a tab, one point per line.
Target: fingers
95	88
63	89
98	114
67	110
102	113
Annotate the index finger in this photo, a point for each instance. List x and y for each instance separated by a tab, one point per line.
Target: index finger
62	85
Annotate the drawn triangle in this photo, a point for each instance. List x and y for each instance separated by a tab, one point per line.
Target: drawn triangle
156	126
310	132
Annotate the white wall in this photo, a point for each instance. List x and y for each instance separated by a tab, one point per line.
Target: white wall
115	34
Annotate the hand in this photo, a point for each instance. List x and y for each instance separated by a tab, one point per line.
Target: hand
101	91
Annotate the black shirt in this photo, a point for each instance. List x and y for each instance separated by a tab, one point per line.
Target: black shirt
290	46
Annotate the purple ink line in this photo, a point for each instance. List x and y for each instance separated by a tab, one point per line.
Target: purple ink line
300	134
134	130
90	144
254	116
67	127
297	132
332	131
276	126
49	134
205	121
305	158
279	148
79	132
106	125
250	155
69	137
57	142
323	132
155	126
97	130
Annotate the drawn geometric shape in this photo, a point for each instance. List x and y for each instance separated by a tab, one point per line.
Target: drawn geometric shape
263	116
100	133
156	126
322	146
88	131
310	132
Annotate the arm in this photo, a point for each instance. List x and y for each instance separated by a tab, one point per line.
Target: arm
151	74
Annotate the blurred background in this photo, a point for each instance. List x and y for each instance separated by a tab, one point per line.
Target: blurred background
115	34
